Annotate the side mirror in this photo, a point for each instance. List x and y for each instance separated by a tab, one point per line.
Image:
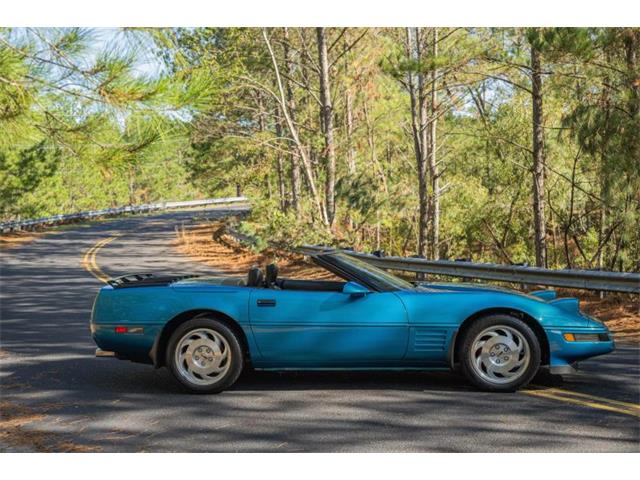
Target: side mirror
355	289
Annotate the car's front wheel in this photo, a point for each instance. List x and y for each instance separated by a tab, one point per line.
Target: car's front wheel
205	355
500	353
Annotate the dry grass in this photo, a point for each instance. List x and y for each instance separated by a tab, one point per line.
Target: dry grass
620	312
208	243
14	239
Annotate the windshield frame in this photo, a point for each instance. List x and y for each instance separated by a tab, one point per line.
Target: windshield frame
355	269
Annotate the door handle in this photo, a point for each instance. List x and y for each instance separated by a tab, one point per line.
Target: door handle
266	302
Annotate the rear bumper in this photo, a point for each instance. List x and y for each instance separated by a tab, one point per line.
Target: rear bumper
132	345
105	353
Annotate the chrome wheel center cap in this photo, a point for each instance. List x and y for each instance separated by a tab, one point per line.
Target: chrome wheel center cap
203	356
499	354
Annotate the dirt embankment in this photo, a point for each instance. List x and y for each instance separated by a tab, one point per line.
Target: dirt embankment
621	313
210	244
13	239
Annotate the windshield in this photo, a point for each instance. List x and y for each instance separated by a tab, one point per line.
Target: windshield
377	277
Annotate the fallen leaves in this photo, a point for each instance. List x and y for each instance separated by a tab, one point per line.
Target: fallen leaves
14	420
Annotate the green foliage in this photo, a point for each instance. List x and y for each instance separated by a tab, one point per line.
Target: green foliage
85	129
21	172
484	138
268	224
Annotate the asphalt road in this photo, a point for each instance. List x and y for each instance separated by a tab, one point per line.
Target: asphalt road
48	366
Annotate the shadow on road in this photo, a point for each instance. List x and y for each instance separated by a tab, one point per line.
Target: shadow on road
46	297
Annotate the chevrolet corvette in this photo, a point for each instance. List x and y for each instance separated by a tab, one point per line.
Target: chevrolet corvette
206	330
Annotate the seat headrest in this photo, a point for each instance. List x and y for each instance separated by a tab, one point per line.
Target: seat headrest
271	274
255	277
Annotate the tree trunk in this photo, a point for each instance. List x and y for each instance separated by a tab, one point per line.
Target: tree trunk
632	44
327	123
294	159
293	130
351	152
538	160
433	165
605	190
284	204
371	142
418	131
132	186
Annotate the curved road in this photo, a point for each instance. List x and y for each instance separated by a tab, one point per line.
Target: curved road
109	405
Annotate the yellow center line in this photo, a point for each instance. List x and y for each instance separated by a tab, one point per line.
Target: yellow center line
560	391
89	260
586	400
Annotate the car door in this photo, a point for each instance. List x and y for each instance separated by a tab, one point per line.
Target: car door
312	329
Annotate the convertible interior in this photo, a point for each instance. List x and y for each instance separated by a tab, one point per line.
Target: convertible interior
270	279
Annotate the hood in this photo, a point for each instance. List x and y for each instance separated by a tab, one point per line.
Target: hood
548	296
470	288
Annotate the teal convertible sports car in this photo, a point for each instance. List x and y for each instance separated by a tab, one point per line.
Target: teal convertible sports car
206	330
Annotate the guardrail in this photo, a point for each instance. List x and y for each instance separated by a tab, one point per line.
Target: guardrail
56	219
580	279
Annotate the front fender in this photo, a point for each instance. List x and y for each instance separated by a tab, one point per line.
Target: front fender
438	315
454	307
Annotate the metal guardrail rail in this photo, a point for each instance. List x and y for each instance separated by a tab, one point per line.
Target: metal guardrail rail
56	219
580	279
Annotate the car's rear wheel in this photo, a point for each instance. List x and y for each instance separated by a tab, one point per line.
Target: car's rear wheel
500	353
205	355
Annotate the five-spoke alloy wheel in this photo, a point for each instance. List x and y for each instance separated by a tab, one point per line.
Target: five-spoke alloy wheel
500	353
205	355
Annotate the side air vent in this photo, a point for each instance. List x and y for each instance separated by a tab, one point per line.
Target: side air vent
428	339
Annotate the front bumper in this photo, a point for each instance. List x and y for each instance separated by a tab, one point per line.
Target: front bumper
564	353
564	369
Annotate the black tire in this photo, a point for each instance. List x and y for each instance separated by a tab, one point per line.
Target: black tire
467	356
235	360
